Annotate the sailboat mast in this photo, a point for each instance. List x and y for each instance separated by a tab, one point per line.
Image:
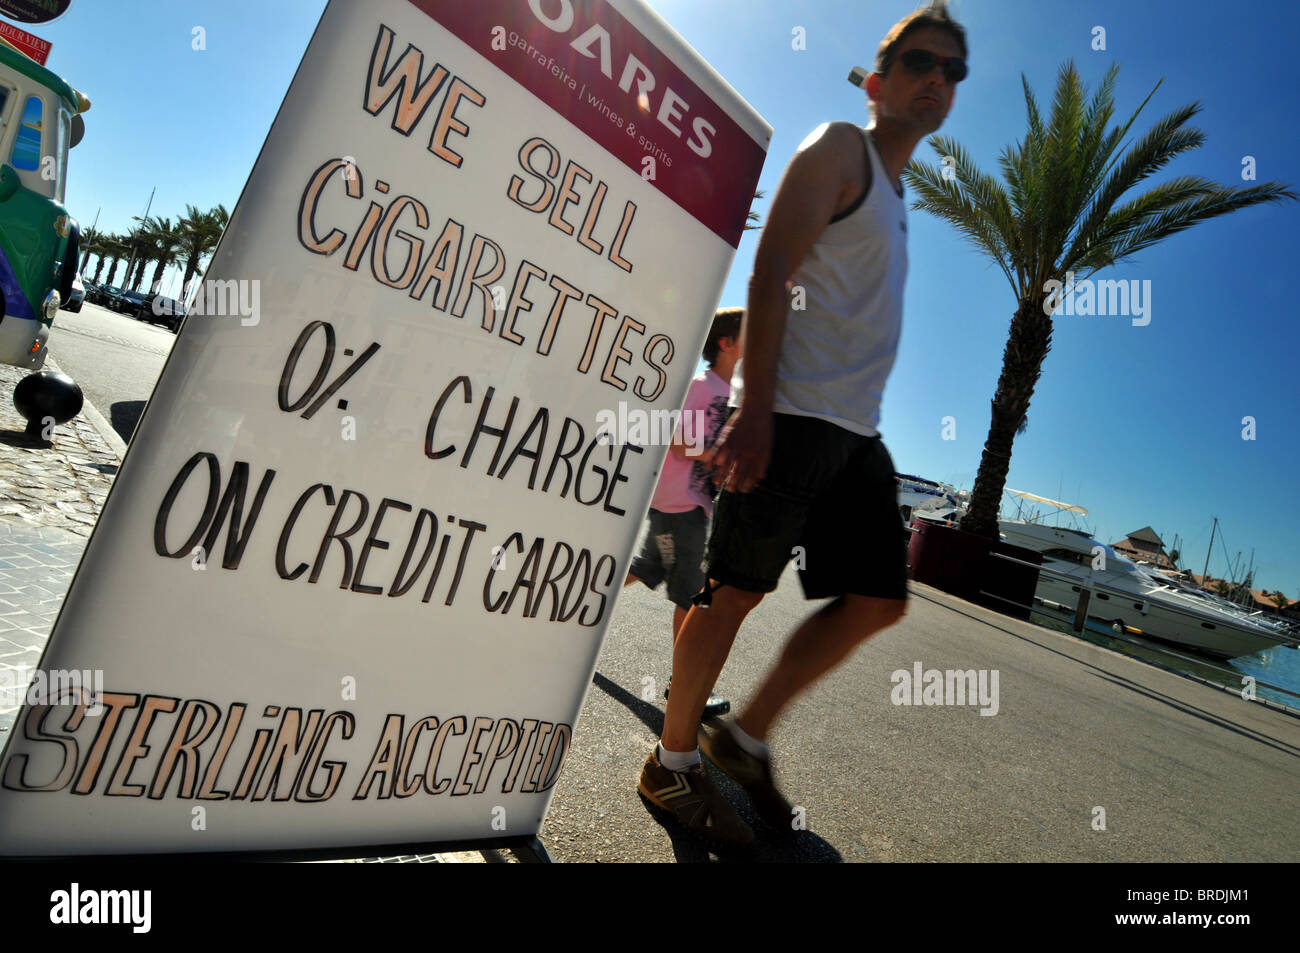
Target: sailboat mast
1207	551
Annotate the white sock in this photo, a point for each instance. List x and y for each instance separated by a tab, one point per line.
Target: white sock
752	745
678	760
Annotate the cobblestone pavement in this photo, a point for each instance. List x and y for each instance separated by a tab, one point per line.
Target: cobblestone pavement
59	485
50	496
36	566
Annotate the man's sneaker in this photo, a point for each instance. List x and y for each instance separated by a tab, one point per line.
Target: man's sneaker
715	707
693	801
753	774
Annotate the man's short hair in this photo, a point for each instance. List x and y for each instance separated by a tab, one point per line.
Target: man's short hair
934	14
726	324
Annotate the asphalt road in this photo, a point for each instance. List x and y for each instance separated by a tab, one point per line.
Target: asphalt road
1183	772
115	359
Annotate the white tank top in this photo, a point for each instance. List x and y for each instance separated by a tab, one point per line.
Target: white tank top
838	351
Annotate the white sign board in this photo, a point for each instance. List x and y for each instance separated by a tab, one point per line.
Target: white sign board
351	584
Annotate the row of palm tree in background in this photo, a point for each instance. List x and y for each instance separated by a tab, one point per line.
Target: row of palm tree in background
158	241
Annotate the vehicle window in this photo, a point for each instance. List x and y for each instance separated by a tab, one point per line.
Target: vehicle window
27	145
61	155
6	96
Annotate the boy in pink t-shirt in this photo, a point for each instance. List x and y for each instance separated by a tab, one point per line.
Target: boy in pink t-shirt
673	549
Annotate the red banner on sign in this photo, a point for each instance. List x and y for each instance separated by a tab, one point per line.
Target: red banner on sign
583	59
25	43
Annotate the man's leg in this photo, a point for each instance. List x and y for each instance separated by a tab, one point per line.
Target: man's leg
824	640
699	653
820	643
679	616
853	546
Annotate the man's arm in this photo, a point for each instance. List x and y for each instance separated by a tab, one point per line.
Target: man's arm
823	177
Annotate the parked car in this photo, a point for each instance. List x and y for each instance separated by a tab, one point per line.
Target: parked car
76	295
102	294
158	309
128	302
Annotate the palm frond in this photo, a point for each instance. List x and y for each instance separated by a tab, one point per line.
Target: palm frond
1192	211
970	200
1165	140
1096	250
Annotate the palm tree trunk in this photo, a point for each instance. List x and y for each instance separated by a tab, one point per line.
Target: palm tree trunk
156	282
99	267
191	266
1022	362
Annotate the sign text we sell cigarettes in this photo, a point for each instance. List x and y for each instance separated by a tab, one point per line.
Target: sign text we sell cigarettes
461	266
461	273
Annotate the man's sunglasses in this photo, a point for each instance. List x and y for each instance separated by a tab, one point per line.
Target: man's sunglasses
922	61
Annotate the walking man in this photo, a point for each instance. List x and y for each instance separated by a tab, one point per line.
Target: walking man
673	549
802	460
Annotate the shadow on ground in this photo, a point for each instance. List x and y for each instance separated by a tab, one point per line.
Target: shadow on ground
771	846
20	438
125	414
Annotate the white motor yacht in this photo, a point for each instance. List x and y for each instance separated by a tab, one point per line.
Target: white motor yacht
926	499
1128	595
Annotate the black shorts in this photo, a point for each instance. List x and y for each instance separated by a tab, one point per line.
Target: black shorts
829	500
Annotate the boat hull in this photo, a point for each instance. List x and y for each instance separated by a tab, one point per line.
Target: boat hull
1130	598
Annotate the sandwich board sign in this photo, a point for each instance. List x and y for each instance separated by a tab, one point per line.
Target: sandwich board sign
351	583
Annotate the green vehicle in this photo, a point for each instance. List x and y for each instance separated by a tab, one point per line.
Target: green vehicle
40	120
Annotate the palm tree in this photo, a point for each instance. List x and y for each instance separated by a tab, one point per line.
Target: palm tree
143	253
118	249
1280	600
199	234
165	240
89	243
106	251
753	216
137	250
1059	212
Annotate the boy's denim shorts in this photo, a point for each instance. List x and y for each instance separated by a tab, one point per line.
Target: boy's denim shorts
673	551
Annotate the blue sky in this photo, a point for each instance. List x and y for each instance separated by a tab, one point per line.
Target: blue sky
1141	425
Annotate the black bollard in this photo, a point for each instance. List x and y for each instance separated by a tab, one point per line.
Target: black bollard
47	396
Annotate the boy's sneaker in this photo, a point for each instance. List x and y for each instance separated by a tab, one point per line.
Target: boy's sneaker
693	801
715	707
752	773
